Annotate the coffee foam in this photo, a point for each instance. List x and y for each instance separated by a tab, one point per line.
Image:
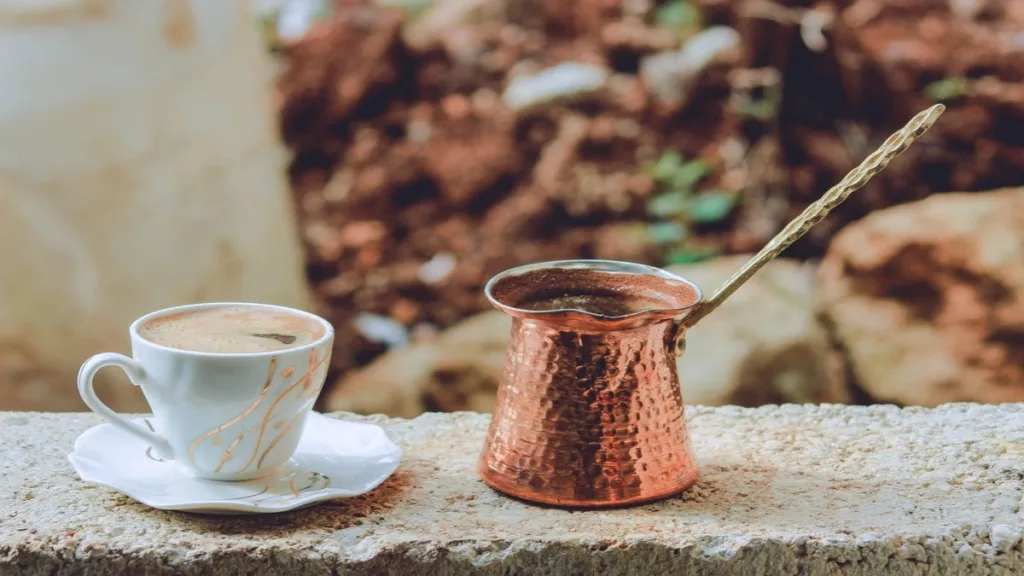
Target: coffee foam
232	330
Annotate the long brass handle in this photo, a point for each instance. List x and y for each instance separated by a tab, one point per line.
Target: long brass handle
893	146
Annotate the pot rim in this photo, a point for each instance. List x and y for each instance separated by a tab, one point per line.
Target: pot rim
633	319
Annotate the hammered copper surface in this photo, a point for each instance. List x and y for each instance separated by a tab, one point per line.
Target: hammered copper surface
589	410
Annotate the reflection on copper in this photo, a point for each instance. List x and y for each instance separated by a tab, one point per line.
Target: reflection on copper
589	411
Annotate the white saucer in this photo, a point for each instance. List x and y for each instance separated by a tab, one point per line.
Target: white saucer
335	459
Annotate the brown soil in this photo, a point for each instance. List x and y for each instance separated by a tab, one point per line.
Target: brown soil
404	156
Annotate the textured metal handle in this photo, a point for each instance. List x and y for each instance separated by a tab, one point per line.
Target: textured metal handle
877	161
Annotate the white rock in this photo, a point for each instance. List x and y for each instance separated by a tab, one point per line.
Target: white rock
1004	537
565	80
381	329
437	268
297	16
671	76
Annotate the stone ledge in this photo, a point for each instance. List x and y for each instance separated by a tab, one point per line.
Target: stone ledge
784	490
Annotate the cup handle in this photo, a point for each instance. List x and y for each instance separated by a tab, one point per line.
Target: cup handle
137	375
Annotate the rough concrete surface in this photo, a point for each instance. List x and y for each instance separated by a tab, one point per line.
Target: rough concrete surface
784	490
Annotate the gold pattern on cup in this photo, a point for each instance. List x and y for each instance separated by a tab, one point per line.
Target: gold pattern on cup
295	492
303	381
149	449
229	453
279	437
236	419
307	382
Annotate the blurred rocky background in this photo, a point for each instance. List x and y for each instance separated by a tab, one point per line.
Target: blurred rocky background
435	144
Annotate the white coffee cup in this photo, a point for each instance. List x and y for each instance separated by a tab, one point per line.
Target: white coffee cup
223	416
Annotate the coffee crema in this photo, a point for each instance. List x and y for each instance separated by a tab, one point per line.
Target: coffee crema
603	304
596	292
232	330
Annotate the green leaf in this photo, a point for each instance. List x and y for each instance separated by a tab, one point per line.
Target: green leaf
268	31
669	204
411	7
758	108
666	232
711	206
692	254
635	232
666	166
689	174
678	15
946	89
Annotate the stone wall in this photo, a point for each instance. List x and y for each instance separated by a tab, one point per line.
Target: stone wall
784	490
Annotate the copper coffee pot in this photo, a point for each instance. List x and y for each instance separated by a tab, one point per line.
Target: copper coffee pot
589	411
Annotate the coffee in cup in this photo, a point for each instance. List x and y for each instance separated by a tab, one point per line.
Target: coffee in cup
232	329
230	385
